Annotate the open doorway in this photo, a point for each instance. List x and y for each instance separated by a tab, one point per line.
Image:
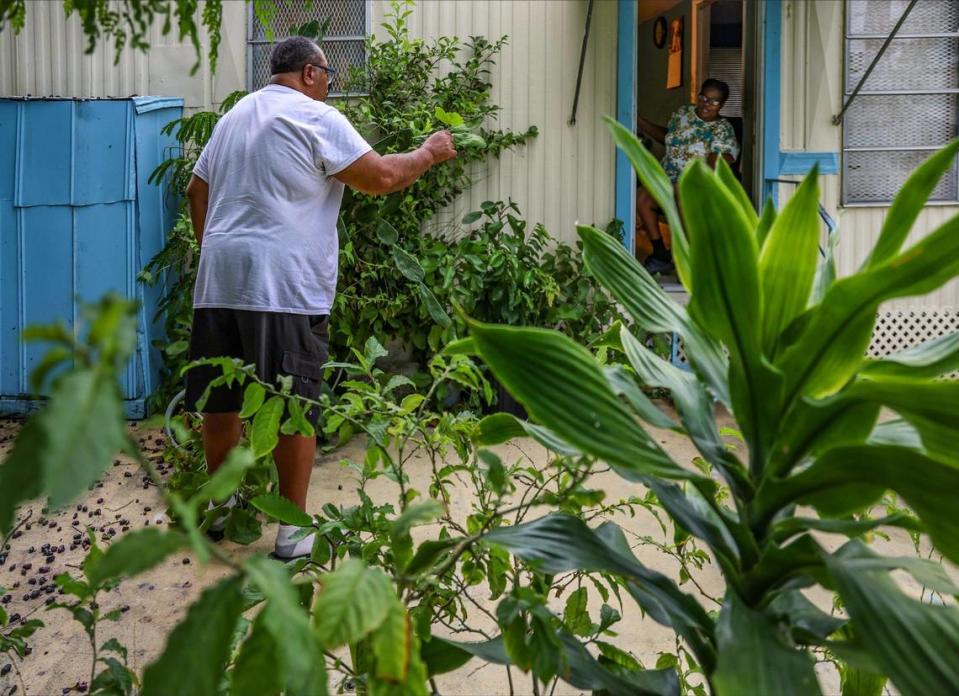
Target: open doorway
711	43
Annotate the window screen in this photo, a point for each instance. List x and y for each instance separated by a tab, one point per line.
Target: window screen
907	109
344	43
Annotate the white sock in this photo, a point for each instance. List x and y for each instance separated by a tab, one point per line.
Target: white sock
220	524
285	547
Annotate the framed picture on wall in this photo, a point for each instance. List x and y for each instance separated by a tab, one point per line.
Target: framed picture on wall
674	65
659	32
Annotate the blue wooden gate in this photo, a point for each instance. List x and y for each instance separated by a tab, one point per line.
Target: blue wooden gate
78	219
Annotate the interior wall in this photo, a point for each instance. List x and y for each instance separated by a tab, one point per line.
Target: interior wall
654	101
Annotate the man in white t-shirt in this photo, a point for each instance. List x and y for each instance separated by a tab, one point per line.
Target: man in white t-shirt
264	199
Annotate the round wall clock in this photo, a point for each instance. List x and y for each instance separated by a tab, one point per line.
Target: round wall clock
659	32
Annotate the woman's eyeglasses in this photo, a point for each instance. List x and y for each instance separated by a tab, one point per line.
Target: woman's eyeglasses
712	102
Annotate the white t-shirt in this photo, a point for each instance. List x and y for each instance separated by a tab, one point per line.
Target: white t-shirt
270	241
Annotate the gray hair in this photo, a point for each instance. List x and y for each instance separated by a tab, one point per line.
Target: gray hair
291	54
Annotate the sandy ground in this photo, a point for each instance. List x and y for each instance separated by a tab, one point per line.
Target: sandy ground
155	601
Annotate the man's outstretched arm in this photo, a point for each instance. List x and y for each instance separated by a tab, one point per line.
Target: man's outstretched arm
378	175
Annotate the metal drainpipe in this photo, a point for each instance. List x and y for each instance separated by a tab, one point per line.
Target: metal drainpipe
582	62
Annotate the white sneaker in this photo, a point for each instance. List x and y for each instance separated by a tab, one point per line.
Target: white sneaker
220	523
286	549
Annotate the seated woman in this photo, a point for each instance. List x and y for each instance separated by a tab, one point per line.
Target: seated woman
695	131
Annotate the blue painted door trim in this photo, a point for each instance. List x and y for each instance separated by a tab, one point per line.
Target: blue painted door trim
772	94
626	58
775	161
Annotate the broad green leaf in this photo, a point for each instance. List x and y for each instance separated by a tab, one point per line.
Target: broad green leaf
20	476
53	358
256	671
423	512
197	650
502	427
462	346
581	669
694	406
766	220
576	615
694	514
654	180
494	470
386	232
428	553
644	299
253	397
815	426
728	179
564	389
353	602
392	644
929	359
802	616
407	264
787	264
848	527
858	682
264	433
624	384
856	556
64	448
433	307
728	302
297	650
909	202
932	408
227	477
756	657
132	554
914	643
282	509
827	272
838	331
848	479
114	679
560	543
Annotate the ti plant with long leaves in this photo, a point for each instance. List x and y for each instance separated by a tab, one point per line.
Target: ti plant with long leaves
772	336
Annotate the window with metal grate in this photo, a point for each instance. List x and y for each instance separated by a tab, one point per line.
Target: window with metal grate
344	42
909	106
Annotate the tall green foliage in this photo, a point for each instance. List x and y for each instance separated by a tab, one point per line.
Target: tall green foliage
413	87
128	22
792	370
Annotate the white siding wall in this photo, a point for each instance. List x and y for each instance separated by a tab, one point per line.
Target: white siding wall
812	74
565	175
48	59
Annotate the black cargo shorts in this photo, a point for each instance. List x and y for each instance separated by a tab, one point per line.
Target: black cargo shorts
296	345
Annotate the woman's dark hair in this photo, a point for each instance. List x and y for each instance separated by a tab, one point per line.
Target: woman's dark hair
292	54
718	85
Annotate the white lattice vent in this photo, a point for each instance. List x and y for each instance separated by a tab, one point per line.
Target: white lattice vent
894	331
900	329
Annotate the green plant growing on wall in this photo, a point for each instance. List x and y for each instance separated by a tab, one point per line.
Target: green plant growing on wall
408	97
128	22
784	352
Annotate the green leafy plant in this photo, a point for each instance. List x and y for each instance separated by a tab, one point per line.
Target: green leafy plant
371	584
784	350
129	21
405	97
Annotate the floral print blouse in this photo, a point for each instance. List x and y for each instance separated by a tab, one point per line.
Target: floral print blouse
689	137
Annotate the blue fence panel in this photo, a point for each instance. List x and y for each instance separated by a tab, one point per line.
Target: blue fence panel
78	218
